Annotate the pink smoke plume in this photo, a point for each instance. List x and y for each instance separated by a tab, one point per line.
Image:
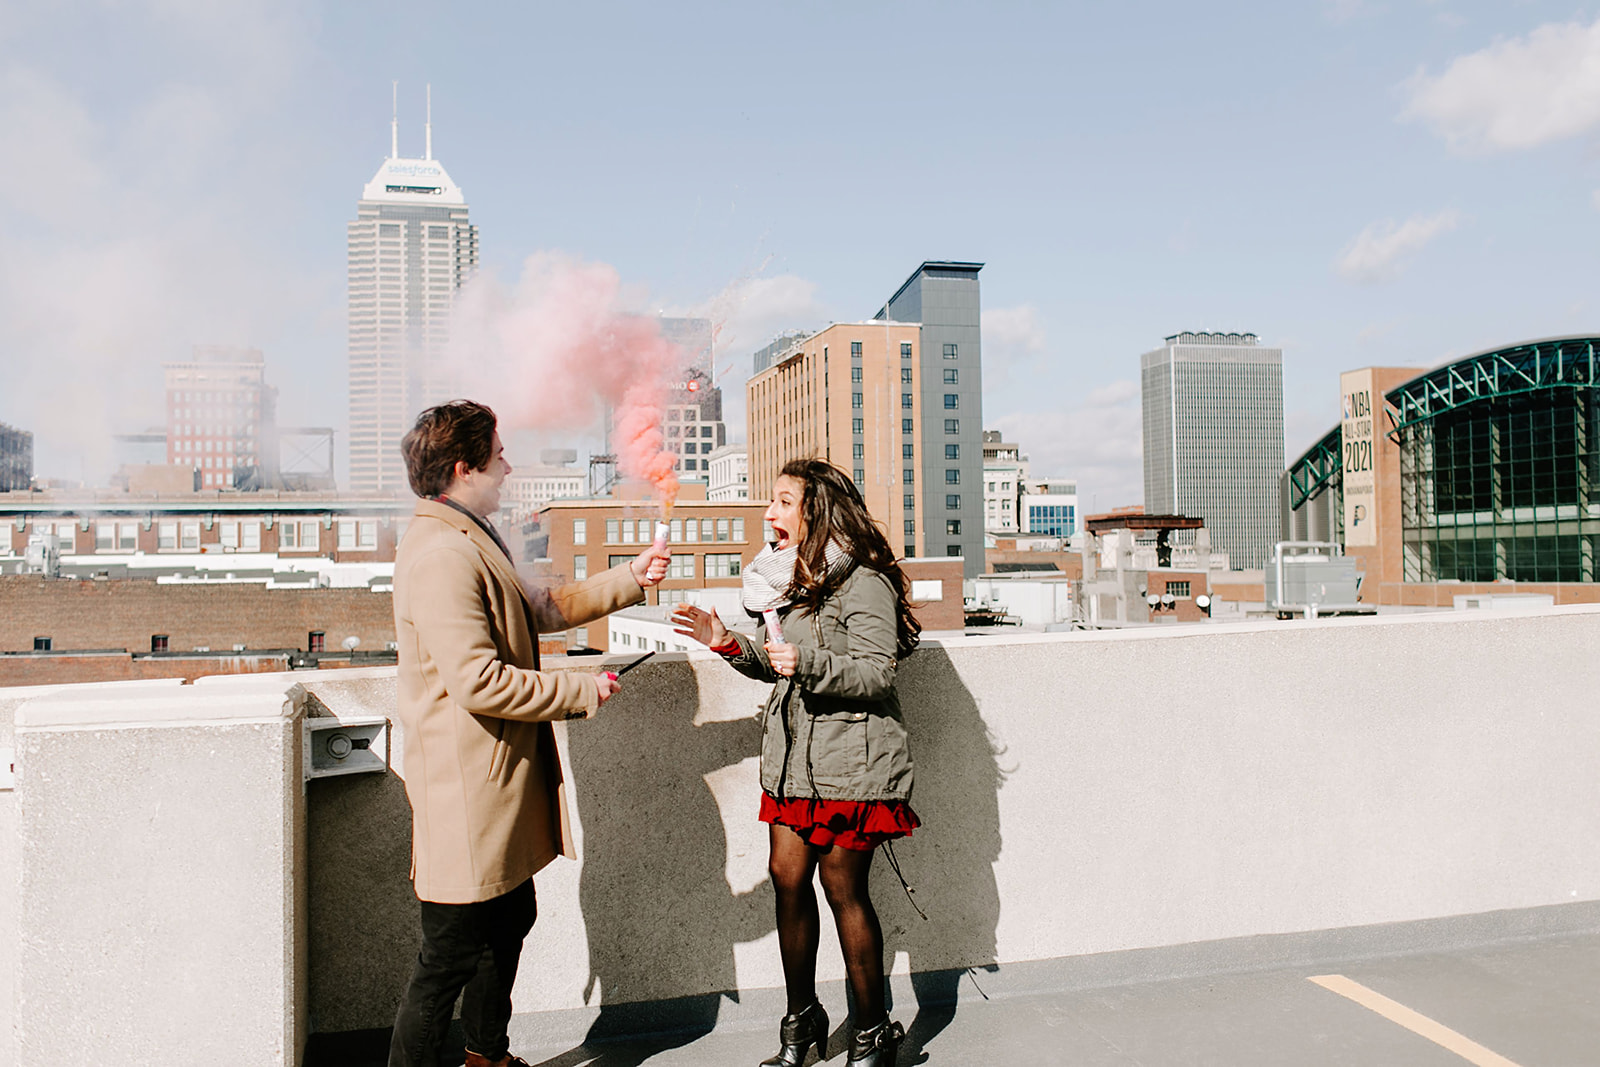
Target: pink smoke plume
551	352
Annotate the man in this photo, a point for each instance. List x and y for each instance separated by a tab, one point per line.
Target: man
482	773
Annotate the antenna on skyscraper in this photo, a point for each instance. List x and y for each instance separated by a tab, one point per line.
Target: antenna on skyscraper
428	154
394	125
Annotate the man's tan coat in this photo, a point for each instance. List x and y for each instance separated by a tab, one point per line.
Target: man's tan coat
487	798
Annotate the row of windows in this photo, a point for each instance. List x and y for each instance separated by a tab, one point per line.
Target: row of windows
642	531
688	431
717	565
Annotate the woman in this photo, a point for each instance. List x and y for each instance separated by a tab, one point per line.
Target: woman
835	765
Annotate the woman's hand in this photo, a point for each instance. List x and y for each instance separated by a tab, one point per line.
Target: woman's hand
650	566
783	657
703	626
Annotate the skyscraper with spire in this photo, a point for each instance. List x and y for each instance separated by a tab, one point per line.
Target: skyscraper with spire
410	249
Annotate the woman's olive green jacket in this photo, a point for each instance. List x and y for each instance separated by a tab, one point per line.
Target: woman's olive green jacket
834	731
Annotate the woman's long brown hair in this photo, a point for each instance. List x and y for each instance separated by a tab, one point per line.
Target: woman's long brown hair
833	509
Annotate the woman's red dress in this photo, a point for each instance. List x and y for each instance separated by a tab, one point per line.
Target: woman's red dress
862	825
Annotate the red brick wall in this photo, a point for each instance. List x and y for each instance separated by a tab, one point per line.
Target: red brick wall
946	613
124	613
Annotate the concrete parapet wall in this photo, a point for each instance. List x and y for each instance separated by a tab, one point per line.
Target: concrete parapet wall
1081	793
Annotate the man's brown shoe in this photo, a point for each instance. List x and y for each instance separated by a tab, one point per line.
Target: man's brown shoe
475	1060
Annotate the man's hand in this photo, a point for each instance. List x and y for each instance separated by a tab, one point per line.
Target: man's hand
608	685
703	626
783	657
650	566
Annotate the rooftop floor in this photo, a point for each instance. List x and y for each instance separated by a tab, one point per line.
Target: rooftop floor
1529	1003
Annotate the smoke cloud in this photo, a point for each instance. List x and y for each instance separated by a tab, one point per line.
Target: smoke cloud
555	349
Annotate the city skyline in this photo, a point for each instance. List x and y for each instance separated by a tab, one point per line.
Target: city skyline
1373	186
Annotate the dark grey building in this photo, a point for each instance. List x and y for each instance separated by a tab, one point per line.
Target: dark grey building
1213	438
16	458
943	297
767	356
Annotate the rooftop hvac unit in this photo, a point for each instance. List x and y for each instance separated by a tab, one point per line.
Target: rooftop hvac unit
1312	578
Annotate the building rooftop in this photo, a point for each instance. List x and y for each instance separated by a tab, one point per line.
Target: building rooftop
418	182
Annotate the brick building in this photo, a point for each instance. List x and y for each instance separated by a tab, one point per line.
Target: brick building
711	543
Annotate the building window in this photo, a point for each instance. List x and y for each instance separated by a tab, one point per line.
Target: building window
580	568
952	451
952	476
909	476
952	425
855	349
369	534
723	565
705	431
691	530
905	349
860	476
158	642
250	537
855	401
856	426
905	375
347	534
191	537
1178	589
766	532
858	450
952	550
676	532
310	538
952	501
580	532
316	641
681	565
911	527
952	527
951	352
951	401
738	530
722	529
909	502
105	536
905	400
612	535
128	536
952	376
908	451
855	374
908	426
167	535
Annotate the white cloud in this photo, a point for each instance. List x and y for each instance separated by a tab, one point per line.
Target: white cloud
1516	93
1099	443
1378	251
1013	340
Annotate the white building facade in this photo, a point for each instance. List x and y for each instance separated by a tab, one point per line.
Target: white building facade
1050	507
729	474
528	489
410	249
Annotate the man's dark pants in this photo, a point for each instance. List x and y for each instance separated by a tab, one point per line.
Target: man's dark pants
470	947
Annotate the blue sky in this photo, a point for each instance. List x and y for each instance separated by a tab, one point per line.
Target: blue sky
1359	183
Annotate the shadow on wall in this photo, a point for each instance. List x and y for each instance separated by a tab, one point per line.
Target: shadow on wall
661	917
359	875
949	861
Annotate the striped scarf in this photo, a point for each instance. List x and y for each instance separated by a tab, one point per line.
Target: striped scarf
767	577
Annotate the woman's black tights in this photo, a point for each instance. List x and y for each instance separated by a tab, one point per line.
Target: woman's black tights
844	881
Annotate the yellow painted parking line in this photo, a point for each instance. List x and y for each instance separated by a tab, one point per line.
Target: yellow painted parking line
1416	1022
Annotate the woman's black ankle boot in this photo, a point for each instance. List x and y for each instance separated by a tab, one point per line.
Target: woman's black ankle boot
876	1046
797	1033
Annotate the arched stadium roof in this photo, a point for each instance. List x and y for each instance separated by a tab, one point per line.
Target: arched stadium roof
1565	362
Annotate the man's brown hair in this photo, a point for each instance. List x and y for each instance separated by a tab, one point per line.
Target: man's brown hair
461	430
